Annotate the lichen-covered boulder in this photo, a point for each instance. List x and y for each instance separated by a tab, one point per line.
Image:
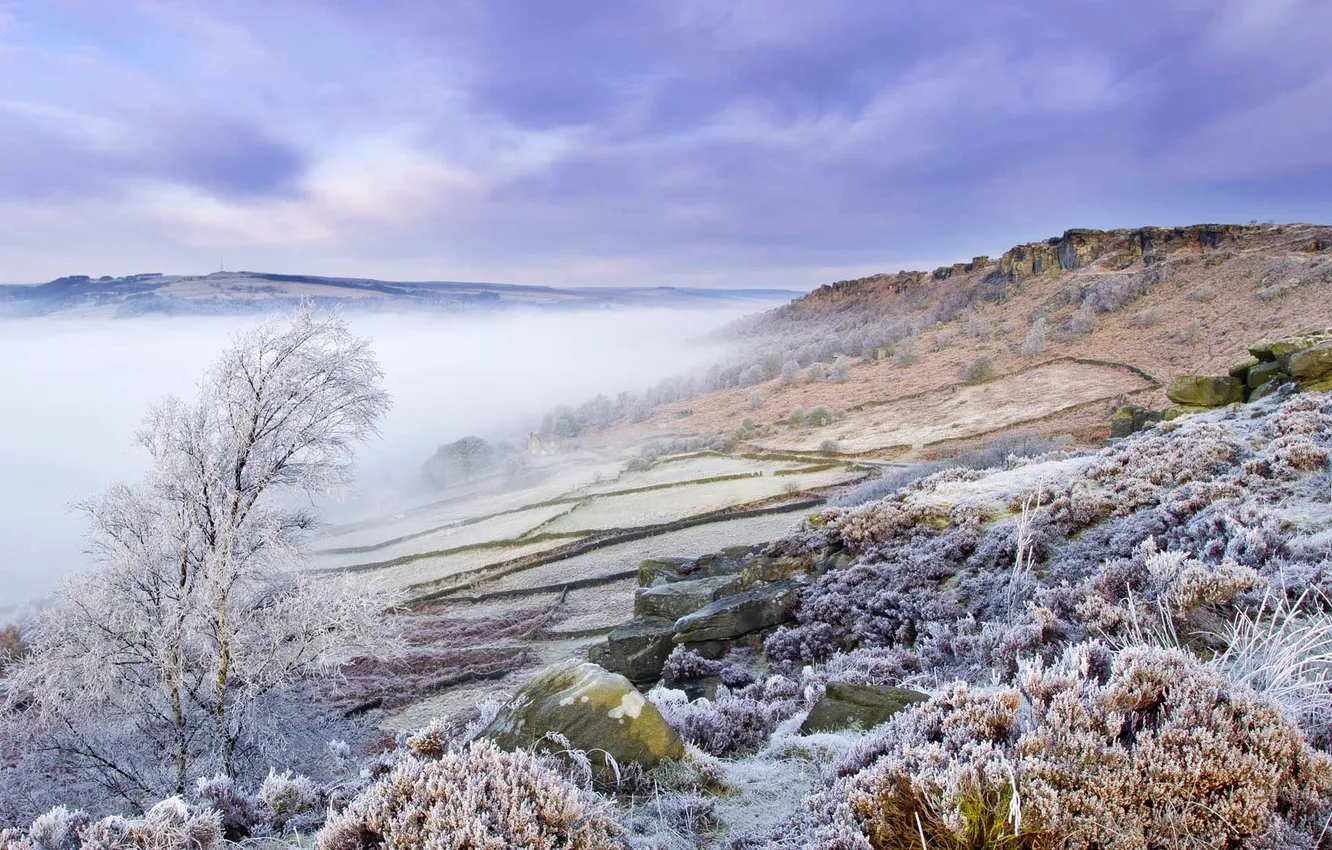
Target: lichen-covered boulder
595	709
1205	390
636	649
1264	390
658	571
676	599
1264	372
1241	369
1312	363
1131	418
744	613
845	704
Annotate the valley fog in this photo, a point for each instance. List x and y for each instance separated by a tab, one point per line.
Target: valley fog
75	391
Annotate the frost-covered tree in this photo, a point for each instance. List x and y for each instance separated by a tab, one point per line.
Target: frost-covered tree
170	660
790	372
841	371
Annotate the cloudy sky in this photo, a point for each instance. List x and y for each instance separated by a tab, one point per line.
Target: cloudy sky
694	142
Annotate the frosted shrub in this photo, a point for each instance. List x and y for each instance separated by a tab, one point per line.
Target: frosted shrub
735	721
169	825
480	796
790	372
287	796
240	814
1144	750
57	829
840	372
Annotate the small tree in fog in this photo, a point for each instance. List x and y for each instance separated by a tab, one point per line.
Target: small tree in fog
751	376
790	372
1035	342
756	400
166	662
460	459
815	373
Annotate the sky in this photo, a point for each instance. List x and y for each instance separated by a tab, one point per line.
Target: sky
680	142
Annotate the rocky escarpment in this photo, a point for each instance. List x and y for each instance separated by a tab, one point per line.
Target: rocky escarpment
1077	248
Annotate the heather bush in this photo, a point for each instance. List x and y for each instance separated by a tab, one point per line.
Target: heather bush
1142	749
477	796
734	722
979	370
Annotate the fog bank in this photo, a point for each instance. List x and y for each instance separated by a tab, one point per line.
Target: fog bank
75	392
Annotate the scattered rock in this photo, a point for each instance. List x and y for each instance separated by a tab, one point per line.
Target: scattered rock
595	709
1205	390
637	649
676	599
845	704
733	616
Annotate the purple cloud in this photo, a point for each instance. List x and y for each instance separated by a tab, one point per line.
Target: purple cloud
681	138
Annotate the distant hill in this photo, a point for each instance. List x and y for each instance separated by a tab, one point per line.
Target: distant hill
250	292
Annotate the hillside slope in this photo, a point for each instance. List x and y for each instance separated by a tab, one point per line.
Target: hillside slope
1143	304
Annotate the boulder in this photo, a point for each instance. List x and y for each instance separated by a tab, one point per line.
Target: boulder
763	568
637	649
1262	373
676	599
1241	369
659	571
1311	364
1205	390
595	709
732	616
845	704
1262	351
1317	385
1283	348
1130	419
1264	390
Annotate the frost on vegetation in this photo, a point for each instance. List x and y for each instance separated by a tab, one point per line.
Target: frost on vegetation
735	721
477	796
168	825
1143	749
933	580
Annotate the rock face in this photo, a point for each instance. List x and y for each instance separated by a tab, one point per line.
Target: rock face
741	614
594	709
1205	390
638	649
844	705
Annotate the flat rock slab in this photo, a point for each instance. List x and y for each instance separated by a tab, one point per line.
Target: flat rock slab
744	613
595	709
845	705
